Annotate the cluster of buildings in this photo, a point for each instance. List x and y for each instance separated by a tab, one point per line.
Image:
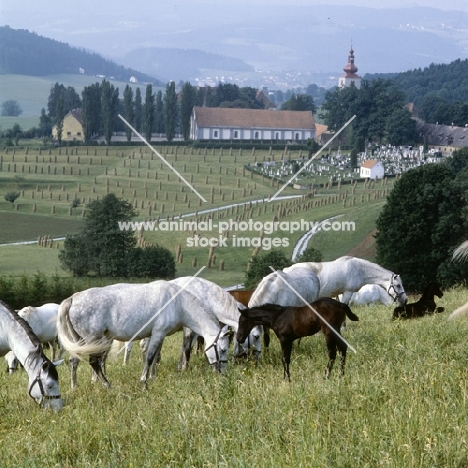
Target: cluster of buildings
274	126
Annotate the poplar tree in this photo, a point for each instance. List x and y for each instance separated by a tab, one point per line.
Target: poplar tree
187	102
149	112
170	110
128	110
109	107
138	110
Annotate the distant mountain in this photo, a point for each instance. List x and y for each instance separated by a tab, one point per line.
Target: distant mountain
26	53
182	64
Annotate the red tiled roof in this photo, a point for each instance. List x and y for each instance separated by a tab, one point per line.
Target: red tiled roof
369	163
253	118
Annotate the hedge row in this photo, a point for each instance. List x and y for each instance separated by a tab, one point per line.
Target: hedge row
36	290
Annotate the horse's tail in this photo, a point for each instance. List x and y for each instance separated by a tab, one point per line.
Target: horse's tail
71	340
349	313
459	312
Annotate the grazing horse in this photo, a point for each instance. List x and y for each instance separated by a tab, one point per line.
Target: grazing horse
224	307
16	335
424	306
295	288
346	275
43	322
243	296
291	323
90	320
369	294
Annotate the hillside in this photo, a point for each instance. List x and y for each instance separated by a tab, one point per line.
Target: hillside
448	81
182	64
26	53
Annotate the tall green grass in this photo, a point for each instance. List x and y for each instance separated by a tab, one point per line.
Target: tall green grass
401	403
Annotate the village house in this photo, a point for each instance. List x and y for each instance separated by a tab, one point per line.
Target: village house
372	169
72	127
227	124
442	139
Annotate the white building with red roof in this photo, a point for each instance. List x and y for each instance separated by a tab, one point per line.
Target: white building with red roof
372	169
217	123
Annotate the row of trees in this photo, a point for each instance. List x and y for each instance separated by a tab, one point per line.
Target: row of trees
167	113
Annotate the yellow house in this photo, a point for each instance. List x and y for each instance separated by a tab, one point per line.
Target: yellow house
72	127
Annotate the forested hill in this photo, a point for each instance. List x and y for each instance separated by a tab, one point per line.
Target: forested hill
447	81
26	53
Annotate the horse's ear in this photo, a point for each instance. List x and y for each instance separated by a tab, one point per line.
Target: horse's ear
242	311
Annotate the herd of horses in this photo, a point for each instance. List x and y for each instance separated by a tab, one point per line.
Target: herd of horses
295	302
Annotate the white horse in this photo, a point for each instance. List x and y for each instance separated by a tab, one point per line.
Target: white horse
43	322
90	320
16	335
346	275
282	288
369	294
223	306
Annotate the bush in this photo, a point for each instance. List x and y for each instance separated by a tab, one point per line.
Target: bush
260	267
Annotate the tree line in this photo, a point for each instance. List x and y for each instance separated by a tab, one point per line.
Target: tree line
147	111
439	91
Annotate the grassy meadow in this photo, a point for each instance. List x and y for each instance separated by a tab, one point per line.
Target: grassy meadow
401	403
50	180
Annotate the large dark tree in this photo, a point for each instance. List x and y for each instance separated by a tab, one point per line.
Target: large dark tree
187	102
159	113
91	110
102	248
373	104
260	267
138	110
149	112
423	220
109	108
128	110
71	99
59	117
170	110
300	102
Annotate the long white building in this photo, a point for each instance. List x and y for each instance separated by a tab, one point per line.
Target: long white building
226	124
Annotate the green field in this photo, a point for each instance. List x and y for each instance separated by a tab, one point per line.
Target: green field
32	93
49	180
402	403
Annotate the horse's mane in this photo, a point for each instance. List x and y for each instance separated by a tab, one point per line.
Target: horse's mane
38	353
268	311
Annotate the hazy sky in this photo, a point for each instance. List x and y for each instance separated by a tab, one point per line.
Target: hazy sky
15	9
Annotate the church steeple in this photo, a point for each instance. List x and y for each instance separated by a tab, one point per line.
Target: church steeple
350	70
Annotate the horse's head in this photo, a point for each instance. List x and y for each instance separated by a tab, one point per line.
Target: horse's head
245	325
44	386
434	288
217	352
397	291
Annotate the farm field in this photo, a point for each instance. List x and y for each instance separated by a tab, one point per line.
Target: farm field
401	403
32	93
49	181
